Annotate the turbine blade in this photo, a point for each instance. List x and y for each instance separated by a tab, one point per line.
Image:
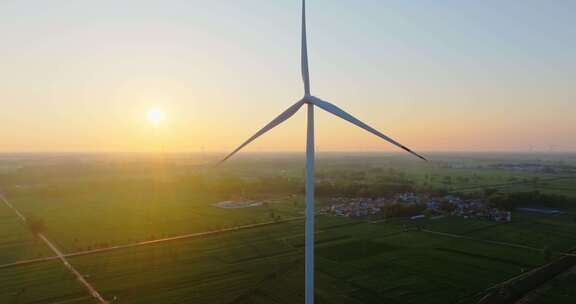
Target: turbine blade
304	53
331	108
278	120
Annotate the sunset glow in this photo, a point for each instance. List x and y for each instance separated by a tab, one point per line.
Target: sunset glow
155	116
439	89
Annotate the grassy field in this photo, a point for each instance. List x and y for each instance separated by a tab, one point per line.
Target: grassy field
357	262
561	290
378	261
87	217
47	282
84	207
16	242
554	232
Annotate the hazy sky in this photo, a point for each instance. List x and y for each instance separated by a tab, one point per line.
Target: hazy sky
80	75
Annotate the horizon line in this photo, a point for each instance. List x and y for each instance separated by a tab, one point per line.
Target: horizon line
291	152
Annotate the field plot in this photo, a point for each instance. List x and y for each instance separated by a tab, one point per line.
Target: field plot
83	220
539	232
561	290
553	232
216	269
565	185
450	224
122	222
398	267
16	242
46	282
357	262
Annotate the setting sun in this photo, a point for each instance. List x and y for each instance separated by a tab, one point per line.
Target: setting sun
155	116
179	151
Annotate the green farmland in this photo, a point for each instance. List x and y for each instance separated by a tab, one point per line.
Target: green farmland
357	262
89	209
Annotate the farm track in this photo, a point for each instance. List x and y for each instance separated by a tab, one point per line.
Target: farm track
482	240
92	291
534	295
146	243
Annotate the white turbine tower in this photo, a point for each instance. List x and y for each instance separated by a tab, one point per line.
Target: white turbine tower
311	101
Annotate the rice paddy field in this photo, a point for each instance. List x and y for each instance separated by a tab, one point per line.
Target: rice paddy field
89	209
561	289
16	242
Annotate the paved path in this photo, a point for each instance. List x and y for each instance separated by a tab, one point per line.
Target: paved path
93	292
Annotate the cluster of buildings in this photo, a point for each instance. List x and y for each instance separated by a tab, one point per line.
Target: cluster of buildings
443	205
476	209
237	204
355	207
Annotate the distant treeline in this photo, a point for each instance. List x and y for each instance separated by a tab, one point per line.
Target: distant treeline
341	187
343	184
513	200
372	183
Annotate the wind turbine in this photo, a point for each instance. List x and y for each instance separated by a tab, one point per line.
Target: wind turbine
311	101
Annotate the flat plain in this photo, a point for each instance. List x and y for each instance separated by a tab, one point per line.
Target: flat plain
93	205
